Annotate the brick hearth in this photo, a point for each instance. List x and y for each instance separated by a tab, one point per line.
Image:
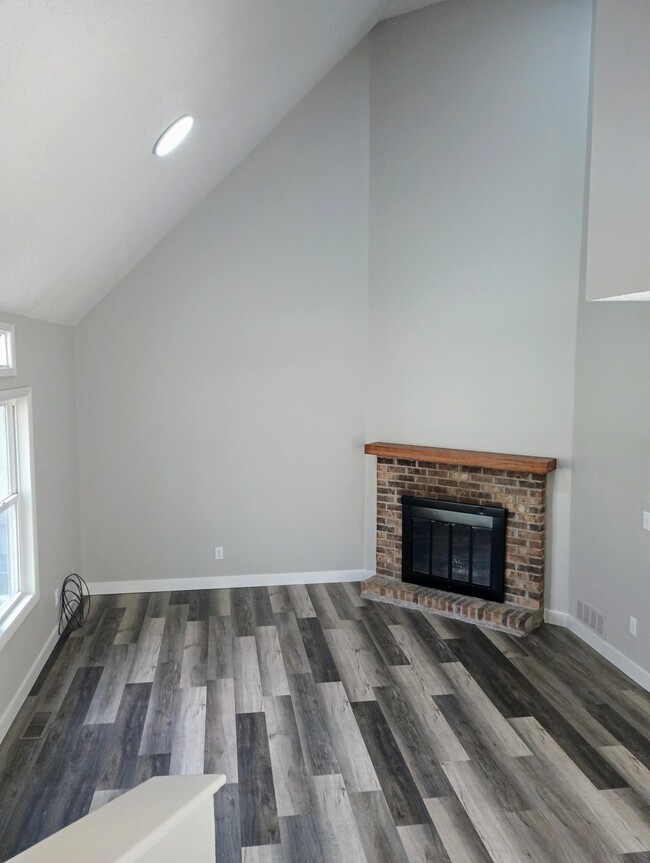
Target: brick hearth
520	487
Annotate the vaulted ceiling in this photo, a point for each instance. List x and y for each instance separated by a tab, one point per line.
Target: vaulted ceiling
87	87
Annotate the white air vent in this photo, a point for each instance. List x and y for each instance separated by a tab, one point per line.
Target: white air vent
591	618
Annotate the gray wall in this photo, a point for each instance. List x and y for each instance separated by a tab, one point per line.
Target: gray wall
45	362
222	384
478	136
610	551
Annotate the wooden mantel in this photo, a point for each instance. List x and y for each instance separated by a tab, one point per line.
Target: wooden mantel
465	457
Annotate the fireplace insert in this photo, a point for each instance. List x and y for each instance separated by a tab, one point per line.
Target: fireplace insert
454	547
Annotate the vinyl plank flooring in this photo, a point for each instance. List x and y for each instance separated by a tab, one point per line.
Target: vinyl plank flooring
379	836
101	798
227	822
422	844
349	666
108	694
145	661
258	812
301	839
315	740
349	746
323	606
242	612
369	659
158	729
384	639
220	729
293	650
637	775
348	731
220	643
280	599
122	756
290	777
263	854
458	835
248	683
502	843
273	674
426	666
605	821
623	732
188	736
220	602
195	654
407	730
131	623
343	605
338	829
402	797
299	601
321	662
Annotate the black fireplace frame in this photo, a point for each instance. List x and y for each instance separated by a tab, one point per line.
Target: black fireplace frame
495	590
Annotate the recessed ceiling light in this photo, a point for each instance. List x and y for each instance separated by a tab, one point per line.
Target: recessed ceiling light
172	137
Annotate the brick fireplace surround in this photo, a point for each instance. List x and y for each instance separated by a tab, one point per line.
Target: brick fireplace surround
517	483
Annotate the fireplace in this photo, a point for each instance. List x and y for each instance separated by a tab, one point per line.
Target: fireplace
509	489
454	547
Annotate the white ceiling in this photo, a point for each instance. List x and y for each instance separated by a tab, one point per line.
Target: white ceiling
87	87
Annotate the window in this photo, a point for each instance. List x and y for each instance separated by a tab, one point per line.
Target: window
17	557
7	350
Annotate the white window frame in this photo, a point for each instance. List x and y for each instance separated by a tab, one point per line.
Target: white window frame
10	334
23	459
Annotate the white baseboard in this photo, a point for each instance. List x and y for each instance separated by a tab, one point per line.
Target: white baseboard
620	660
19	698
217	581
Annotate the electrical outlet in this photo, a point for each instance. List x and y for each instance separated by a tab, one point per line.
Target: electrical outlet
218	552
56	597
646	520
632	625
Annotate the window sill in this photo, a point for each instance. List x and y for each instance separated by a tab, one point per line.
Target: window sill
15	615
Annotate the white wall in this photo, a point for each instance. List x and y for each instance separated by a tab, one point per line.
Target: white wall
222	384
618	252
610	551
45	362
478	140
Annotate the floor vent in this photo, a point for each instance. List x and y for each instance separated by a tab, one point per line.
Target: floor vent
36	727
591	618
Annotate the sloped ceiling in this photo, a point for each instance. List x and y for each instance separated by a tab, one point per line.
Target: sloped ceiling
86	88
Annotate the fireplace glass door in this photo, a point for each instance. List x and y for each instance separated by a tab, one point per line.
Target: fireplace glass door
454	547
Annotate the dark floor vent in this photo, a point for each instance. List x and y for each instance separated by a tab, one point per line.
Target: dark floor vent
453	546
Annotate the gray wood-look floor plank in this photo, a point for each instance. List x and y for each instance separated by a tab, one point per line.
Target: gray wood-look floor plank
108	694
248	682
347	730
159	724
349	746
220	729
145	661
317	748
188	736
273	674
258	811
195	654
402	796
290	776
377	830
220	639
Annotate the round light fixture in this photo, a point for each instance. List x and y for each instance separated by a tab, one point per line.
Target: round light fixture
172	136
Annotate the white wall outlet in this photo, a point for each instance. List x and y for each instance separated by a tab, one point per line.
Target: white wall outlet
218	552
646	520
632	625
56	597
